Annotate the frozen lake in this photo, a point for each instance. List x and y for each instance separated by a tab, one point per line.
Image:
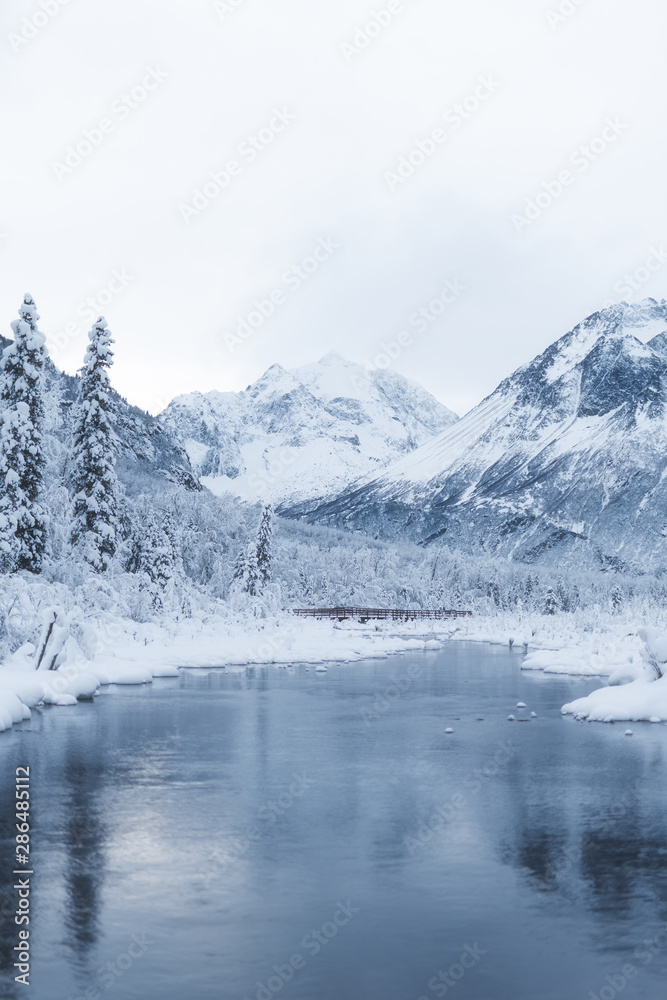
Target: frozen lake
283	833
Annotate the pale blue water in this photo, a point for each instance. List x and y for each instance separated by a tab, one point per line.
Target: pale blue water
153	817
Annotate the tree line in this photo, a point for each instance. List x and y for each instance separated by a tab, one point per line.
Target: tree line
100	526
92	479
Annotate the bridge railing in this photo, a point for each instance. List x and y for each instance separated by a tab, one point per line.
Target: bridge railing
379	614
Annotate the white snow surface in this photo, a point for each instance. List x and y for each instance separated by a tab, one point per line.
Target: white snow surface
438	455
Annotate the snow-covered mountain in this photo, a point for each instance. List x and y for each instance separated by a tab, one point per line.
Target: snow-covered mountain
566	459
305	433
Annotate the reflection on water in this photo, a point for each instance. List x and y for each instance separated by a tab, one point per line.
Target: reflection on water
269	832
83	842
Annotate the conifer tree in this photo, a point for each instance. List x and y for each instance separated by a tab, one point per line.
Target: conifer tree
562	595
157	558
617	600
528	593
263	556
251	576
550	602
15	516
96	488
22	461
493	591
241	566
172	530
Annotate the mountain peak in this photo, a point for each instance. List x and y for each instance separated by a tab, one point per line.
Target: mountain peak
638	321
306	431
566	459
331	359
623	317
658	344
275	379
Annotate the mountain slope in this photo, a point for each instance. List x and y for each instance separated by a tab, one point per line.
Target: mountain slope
567	459
148	456
301	434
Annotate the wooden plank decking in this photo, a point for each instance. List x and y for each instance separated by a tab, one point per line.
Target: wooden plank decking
378	614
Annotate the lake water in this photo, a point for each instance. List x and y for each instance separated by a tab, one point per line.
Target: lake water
284	833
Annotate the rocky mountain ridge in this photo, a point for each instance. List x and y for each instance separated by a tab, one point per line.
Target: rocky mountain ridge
565	460
305	433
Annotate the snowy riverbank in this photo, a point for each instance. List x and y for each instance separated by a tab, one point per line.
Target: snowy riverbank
627	660
127	653
117	651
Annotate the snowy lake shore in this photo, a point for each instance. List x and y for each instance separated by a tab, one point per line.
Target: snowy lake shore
123	652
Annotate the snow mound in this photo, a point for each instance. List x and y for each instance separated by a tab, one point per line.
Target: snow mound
21	659
82	686
628	672
564	661
26	686
100	675
165	670
589	658
640	701
128	673
12	710
5	715
55	698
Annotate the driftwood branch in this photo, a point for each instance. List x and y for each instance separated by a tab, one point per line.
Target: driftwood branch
44	645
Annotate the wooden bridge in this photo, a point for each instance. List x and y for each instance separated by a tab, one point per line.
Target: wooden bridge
378	614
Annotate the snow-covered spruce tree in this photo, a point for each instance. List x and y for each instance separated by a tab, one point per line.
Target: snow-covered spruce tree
172	530
240	570
616	600
251	585
156	559
263	555
562	595
94	481
493	591
550	602
22	520
528	591
15	514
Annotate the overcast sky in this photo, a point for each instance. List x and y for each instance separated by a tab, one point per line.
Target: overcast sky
159	94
